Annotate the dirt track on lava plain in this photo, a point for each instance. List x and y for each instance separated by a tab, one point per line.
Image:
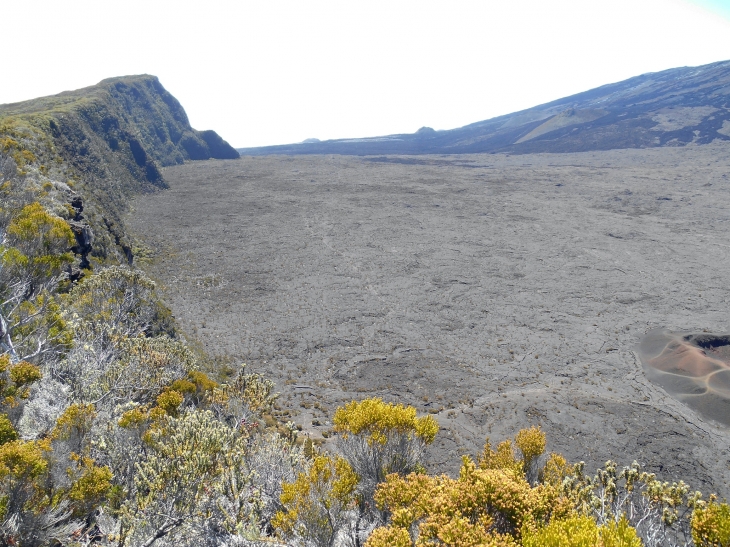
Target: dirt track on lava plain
494	291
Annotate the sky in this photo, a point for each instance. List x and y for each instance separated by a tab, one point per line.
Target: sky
281	71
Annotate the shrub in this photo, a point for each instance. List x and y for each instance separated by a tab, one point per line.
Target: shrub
15	380
659	511
42	241
318	503
582	531
22	374
531	443
387	536
241	401
7	431
91	484
491	502
47	400
377	421
170	401
711	525
177	476
33	252
22	464
379	438
119	298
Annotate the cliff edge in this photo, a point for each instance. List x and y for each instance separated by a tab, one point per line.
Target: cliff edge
99	145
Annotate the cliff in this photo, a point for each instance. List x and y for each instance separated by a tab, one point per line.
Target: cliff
100	145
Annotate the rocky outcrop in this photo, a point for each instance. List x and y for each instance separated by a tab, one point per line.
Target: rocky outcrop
218	148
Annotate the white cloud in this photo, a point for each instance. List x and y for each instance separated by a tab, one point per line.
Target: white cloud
280	71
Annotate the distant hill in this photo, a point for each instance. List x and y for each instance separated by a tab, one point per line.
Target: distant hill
671	108
106	142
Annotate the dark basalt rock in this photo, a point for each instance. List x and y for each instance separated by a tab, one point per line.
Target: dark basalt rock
84	236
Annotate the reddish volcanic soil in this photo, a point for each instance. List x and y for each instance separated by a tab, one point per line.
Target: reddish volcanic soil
692	367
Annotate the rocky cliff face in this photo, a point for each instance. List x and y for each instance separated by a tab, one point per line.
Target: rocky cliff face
132	122
108	141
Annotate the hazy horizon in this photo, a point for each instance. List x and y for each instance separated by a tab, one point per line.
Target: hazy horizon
264	73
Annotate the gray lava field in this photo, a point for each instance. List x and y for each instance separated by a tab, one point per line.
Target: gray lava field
493	291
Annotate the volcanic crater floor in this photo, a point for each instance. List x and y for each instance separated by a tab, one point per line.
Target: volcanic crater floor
692	367
494	292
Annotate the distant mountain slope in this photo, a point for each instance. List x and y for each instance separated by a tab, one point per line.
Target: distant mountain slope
670	108
106	142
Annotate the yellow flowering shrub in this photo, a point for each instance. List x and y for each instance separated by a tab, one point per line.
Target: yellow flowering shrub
711	525
201	381
619	534
484	506
76	421
197	386
531	442
45	232
582	531
556	468
22	459
15	380
40	241
575	531
23	373
134	418
375	419
22	466
91	483
379	439
388	536
491	503
316	505
8	143
24	157
504	457
170	401
184	386
7	431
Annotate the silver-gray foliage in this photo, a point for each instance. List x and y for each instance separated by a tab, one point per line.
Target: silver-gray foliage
47	401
